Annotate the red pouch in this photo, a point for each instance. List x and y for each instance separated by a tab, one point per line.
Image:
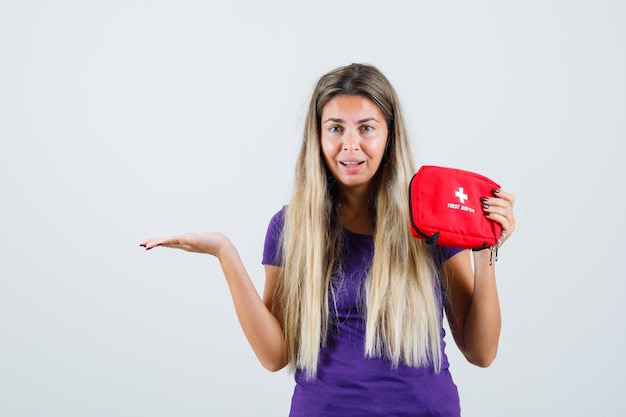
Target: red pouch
445	207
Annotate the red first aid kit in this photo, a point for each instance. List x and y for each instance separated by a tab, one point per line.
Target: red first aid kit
445	207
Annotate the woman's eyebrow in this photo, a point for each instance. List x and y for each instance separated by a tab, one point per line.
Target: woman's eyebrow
367	119
335	120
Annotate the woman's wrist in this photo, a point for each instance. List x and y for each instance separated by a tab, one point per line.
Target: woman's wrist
486	257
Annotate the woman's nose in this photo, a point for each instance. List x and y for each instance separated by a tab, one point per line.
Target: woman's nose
350	142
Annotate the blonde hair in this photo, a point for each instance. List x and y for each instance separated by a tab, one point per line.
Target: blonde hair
402	313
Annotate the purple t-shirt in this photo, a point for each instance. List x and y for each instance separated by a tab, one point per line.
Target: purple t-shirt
347	382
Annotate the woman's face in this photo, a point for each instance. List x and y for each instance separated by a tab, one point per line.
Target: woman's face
353	139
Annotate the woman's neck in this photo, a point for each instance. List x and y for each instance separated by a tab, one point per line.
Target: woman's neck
356	214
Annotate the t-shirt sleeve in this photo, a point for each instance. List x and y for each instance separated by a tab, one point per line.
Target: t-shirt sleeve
443	253
272	251
449	252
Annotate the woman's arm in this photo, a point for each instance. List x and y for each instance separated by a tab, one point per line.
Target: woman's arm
260	326
473	307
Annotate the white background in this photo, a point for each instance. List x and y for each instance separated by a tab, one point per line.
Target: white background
121	120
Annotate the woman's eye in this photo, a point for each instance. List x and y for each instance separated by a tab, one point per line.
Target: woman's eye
335	129
367	128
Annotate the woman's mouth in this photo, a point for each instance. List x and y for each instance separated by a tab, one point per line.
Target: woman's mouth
351	167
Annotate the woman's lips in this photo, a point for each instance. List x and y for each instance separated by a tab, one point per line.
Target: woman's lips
351	166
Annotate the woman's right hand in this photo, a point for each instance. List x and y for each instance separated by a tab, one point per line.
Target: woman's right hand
203	242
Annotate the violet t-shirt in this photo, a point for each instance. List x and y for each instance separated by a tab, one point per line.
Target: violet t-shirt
347	382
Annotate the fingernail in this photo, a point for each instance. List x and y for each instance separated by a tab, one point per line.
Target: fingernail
484	199
496	190
485	206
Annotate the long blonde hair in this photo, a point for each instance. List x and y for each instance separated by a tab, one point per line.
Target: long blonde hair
402	313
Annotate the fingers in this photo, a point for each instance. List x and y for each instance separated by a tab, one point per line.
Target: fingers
501	203
154	242
149	244
205	242
499	208
504	196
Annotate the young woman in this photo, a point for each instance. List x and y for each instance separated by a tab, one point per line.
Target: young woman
353	304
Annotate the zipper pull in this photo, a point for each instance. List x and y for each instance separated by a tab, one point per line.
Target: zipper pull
493	249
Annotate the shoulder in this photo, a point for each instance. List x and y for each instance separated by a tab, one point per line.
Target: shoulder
277	222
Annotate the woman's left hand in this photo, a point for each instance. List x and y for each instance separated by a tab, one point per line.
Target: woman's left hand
499	208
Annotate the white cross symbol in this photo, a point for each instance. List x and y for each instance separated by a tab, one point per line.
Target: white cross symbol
459	193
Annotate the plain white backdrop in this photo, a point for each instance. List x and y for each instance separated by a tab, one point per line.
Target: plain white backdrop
122	120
